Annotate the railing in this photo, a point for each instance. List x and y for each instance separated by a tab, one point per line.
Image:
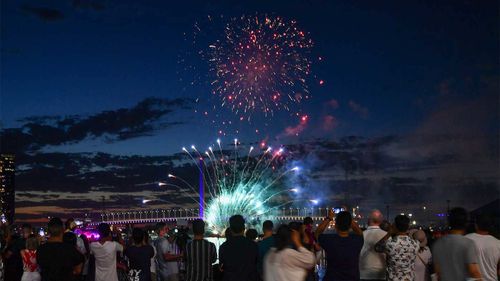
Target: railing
171	215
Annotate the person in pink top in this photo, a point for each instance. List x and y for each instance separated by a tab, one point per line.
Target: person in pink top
30	266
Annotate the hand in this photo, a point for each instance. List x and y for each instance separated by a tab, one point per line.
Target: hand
354	224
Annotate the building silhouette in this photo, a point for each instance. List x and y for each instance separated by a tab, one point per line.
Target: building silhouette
7	187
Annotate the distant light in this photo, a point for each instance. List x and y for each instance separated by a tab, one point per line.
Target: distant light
414	222
296	168
171	176
193	147
294	190
144	201
314	201
162	183
321	82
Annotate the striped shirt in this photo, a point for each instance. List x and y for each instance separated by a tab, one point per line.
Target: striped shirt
199	257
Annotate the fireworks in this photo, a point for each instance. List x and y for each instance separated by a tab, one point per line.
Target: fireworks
260	65
238	184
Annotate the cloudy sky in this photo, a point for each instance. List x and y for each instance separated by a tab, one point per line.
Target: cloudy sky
96	102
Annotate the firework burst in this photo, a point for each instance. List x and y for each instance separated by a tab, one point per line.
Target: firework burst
261	65
238	184
256	66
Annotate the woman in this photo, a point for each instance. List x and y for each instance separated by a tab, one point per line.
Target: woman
284	263
30	266
424	257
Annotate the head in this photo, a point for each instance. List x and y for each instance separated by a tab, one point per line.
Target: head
402	223
146	238
420	236
283	237
267	227
104	230
55	228
137	236
161	229
198	227
343	221
69	238
32	242
27	230
237	224
70	224
295	225
251	234
484	223
375	218
308	221
457	219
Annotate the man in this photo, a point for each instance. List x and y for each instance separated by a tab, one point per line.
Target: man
342	248
488	248
166	256
371	263
58	261
104	252
199	255
455	257
70	226
139	256
265	244
238	255
401	250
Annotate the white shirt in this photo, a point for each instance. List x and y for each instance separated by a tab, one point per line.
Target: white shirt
372	264
288	264
172	266
105	260
488	250
424	259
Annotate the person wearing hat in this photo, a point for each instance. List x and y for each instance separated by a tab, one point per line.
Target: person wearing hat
424	256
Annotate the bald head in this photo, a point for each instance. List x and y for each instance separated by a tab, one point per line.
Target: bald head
375	218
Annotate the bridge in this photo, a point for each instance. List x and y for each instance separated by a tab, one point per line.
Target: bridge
180	214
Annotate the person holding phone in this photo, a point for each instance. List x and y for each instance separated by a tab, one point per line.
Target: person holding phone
342	248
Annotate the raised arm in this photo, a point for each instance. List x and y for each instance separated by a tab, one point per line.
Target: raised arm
380	246
321	228
355	228
302	258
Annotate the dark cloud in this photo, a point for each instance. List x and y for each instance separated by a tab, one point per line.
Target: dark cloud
143	119
43	13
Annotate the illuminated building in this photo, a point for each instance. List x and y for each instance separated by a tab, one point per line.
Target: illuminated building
7	187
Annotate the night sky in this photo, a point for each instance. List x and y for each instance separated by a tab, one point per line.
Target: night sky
96	101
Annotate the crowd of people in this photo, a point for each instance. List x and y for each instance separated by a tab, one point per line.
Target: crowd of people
291	252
